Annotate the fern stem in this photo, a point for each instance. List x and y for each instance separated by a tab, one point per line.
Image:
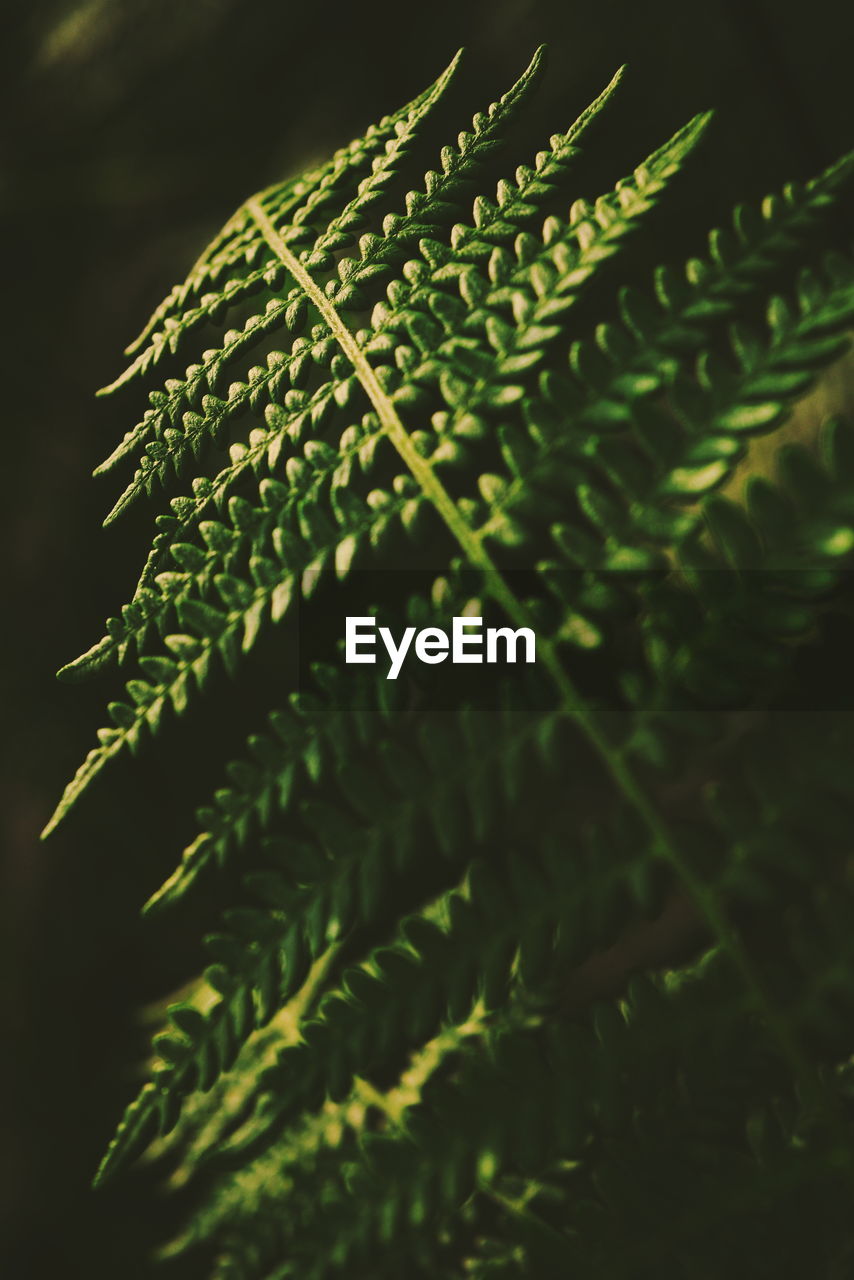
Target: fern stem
388	416
470	542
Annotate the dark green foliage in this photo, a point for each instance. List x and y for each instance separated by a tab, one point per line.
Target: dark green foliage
557	981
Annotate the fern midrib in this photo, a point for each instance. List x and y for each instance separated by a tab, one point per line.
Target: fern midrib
572	704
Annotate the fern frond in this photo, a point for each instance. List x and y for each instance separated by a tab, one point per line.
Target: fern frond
582	243
412	1054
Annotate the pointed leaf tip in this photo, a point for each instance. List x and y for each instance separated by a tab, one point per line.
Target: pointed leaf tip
589	114
166	894
536	65
697	126
526	80
682	142
54	820
120	381
57	815
88	663
443	79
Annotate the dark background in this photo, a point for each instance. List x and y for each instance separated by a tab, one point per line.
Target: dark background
131	130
